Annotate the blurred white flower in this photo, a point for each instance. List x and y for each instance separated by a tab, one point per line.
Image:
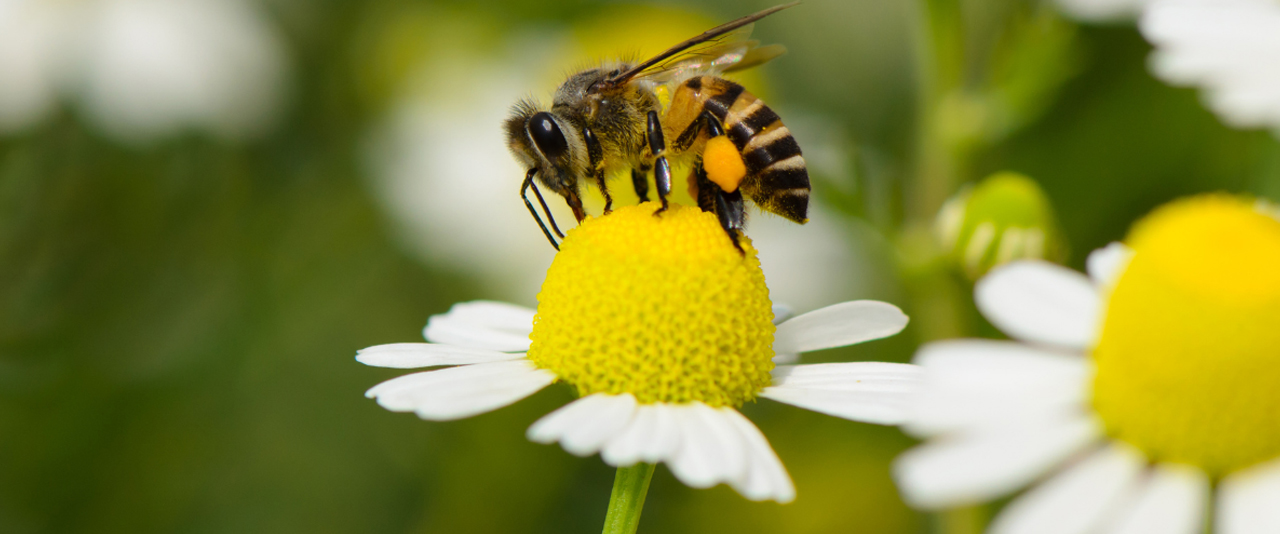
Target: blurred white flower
1229	48
1130	400
440	165
142	69
1102	10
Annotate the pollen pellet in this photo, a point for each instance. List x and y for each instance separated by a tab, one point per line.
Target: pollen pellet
723	163
664	308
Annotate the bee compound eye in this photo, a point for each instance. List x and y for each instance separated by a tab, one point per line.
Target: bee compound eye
546	134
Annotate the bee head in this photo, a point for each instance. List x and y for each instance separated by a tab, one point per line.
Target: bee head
541	139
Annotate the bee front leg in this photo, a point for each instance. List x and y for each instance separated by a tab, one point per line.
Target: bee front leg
595	156
575	204
661	170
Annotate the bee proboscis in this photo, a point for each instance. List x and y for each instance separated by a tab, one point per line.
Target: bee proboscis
609	119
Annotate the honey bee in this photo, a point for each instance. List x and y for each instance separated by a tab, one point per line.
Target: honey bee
609	119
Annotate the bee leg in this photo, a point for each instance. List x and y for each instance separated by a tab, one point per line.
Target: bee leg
662	178
661	170
575	204
703	191
713	124
608	200
728	207
524	195
641	183
595	153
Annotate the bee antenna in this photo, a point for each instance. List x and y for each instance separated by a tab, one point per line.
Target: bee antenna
528	182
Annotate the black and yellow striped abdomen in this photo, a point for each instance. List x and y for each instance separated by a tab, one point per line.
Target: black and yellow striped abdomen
777	179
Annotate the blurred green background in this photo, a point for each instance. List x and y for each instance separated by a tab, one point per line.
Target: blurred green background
178	317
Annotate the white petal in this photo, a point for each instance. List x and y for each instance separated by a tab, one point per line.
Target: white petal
584	426
838	325
1172	501
712	450
872	392
1249	501
982	465
415	355
459	392
765	477
623	449
784	358
1076	500
1102	10
1231	49
652	436
980	382
1106	264
1040	302
483	325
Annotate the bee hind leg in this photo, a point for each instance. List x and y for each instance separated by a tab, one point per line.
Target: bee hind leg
728	207
661	170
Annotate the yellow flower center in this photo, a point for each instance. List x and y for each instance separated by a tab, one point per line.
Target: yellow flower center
1188	364
664	308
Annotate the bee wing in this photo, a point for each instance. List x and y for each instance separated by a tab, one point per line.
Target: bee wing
757	56
732	52
719	49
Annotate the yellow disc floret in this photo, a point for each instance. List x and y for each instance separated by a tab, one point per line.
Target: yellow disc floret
1188	363
723	163
663	307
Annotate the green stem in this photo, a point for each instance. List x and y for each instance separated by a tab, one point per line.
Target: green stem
939	168
630	486
941	64
964	520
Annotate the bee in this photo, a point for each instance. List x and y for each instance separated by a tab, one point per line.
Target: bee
609	119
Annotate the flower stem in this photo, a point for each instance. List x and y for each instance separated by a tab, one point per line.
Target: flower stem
630	486
963	520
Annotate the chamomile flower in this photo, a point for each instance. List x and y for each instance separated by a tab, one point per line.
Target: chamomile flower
663	329
142	69
1139	394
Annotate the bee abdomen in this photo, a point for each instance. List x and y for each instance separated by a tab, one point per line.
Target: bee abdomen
777	179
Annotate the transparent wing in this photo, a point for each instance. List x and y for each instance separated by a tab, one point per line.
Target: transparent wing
717	55
723	48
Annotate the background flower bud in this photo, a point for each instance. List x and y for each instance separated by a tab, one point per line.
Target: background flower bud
1004	217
